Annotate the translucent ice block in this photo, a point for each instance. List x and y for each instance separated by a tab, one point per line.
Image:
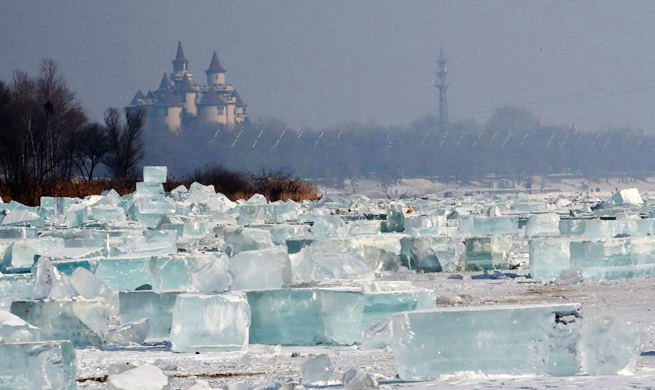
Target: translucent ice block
211	278
395	221
82	321
311	264
172	272
487	252
210	323
316	370
614	258
489	226
426	225
23	218
285	316
542	225
261	269
129	334
154	174
15	288
430	253
529	339
255	214
125	272
549	256
156	307
108	213
38	365
23	253
144	189
142	377
14	330
245	239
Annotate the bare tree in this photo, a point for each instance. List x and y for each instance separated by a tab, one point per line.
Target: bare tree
89	149
124	141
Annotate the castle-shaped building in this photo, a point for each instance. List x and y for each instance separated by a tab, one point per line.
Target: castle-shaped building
179	101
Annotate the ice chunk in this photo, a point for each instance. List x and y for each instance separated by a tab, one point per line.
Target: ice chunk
76	214
23	218
38	365
608	346
266	268
549	256
529	339
285	317
108	213
430	253
157	307
173	272
210	322
363	228
144	377
23	253
316	370
426	225
154	174
255	214
309	264
328	226
358	379
15	288
129	334
628	196
542	225
489	226
17	232
125	272
487	252
569	277
395	221
614	258
50	283
88	286
348	312
245	239
199	384
82	321
212	278
14	330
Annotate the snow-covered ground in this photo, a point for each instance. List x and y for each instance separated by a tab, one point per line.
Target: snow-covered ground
627	300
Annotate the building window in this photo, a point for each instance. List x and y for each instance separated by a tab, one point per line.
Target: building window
221	110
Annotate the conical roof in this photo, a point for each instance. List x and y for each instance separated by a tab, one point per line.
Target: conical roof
215	65
179	56
186	84
139	96
164	83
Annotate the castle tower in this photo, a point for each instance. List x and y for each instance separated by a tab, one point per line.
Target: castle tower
180	67
188	95
215	73
442	86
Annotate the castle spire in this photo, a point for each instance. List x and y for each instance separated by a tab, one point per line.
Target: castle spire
180	62
164	83
215	65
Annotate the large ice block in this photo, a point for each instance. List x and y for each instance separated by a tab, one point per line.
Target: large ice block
89	286
255	214
489	226
172	272
529	339
614	258
38	365
285	316
430	253
13	329
82	321
23	218
426	225
348	312
395	221
328	226
218	322
549	256
486	253
23	253
311	264
244	239
261	269
542	225
154	174
15	288
157	307
125	272
211	278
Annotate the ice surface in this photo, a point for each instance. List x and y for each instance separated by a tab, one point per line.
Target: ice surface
430	253
312	265
328	226
82	321
358	379
23	253
614	258
38	365
244	239
489	226
157	307
542	225
125	272
285	317
316	370
628	196
211	278
487	252
173	272
255	214
17	232
108	213
145	377
88	286
609	346
261	269
15	288
210	322
23	218
426	225
530	339
76	214
50	283
129	334
154	174
549	256
14	330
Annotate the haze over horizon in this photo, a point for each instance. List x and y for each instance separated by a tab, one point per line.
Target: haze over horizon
317	64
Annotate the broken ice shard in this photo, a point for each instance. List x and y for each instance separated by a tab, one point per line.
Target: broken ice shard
530	339
141	377
38	365
82	321
486	253
210	323
129	334
316	369
14	330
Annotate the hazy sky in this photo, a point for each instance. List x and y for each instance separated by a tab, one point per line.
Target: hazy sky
316	64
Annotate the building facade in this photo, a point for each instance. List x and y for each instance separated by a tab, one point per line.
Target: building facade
179	102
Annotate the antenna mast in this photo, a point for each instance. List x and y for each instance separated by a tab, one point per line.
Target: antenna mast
442	86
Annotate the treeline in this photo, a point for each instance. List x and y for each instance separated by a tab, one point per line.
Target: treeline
512	143
47	140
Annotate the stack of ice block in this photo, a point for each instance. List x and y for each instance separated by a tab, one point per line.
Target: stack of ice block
489	226
486	253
